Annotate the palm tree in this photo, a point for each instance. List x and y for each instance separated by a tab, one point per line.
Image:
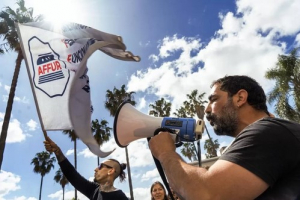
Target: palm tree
189	151
116	97
160	108
113	100
9	34
73	136
61	179
211	148
189	109
42	165
101	132
194	101
287	86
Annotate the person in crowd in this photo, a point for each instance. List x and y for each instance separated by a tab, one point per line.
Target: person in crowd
262	162
158	191
103	186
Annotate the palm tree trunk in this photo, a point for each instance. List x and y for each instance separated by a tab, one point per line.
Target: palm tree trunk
98	159
129	175
75	162
63	193
9	106
41	187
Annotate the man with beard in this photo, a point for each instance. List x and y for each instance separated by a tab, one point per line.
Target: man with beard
263	161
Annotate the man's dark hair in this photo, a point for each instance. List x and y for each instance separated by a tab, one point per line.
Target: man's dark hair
256	95
122	175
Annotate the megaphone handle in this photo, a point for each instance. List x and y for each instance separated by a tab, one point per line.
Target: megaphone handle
161	172
164	129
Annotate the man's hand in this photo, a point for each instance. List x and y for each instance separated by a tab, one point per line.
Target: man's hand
161	145
51	147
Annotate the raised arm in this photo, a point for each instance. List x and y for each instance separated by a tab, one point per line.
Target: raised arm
83	185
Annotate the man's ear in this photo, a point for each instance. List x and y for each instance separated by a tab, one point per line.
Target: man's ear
112	171
241	97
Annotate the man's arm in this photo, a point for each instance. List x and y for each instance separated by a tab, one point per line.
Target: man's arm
223	180
83	185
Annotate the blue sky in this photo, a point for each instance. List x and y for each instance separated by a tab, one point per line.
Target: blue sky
184	45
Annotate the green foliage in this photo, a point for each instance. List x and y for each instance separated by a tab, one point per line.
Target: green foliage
115	97
43	163
61	179
113	100
8	34
190	106
211	147
189	151
8	31
160	108
72	135
286	92
101	131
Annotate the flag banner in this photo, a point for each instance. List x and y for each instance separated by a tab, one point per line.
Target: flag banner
56	60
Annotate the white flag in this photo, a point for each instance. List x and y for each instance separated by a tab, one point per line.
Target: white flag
56	59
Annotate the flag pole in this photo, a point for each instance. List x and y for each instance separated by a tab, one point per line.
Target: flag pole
30	80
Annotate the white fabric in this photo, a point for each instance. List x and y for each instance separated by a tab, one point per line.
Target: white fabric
56	59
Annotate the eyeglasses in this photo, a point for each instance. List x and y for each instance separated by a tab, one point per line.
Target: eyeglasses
104	165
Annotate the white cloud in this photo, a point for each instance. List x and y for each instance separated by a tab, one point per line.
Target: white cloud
25	198
70	152
248	43
1	115
297	40
7	88
9	182
154	58
21	100
142	103
138	151
24	99
170	45
68	195
15	133
141	193
32	124
150	175
280	17
139	154
87	153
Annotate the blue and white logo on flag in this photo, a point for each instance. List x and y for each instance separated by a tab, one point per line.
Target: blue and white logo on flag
50	74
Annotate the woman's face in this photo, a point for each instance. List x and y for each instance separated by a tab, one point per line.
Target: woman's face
158	192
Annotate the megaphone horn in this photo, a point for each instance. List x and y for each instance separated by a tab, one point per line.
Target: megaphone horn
130	124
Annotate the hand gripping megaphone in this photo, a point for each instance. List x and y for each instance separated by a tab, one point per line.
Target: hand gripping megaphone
130	125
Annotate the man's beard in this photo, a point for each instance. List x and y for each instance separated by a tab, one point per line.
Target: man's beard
226	123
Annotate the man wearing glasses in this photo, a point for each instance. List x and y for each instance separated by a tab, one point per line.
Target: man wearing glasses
103	186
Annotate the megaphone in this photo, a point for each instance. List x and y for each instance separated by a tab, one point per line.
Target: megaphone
130	125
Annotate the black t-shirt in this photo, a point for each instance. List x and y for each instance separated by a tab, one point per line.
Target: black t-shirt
270	149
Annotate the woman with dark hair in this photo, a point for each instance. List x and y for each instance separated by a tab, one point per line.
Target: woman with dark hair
103	186
158	191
